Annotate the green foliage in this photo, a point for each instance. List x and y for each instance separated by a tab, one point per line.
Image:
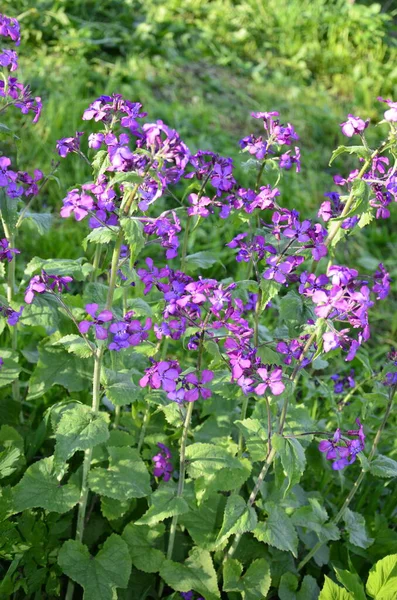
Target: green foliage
196	573
255	582
98	575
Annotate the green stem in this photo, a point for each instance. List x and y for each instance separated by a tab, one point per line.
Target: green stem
145	424
244	407
182	458
95	264
114	269
358	481
185	243
117	413
271	452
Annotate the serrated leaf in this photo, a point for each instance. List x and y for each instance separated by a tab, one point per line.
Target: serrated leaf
40	488
98	575
56	266
223	480
203	523
277	530
292	457
356	529
382	579
9	209
352	583
164	504
75	344
133	232
79	429
359	151
141	541
9	459
201	260
57	366
254	584
270	289
100	163
10	369
205	459
126	476
383	466
255	436
291	308
119	387
114	509
314	518
332	591
101	235
196	573
41	222
238	517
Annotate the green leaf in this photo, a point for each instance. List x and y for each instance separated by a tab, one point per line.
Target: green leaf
292	457
205	459
314	518
355	527
100	163
75	344
119	387
255	436
10	370
277	530
382	579
204	522
9	460
332	591
238	518
352	583
164	504
40	488
288	587
291	309
125	177
223	480
359	151
99	576
196	573
201	260
101	235
57	366
133	231
383	466
114	509
56	266
79	429
8	209
41	222
254	584
126	477
141	541
270	289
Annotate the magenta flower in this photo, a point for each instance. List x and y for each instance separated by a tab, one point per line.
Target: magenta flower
391	114
6	252
197	388
69	144
353	125
36	286
98	320
162	463
78	204
271	379
163	375
9	58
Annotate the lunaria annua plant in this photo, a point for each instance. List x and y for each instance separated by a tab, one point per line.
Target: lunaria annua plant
186	409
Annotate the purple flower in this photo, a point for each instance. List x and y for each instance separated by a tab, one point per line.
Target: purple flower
98	320
382	283
196	386
12	316
353	125
271	379
69	144
162	463
343	455
6	176
1	363
79	204
199	205
36	286
391	114
95	140
6	252
9	58
9	27
278	270
163	375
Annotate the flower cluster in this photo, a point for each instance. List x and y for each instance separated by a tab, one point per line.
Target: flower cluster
46	283
341	449
162	463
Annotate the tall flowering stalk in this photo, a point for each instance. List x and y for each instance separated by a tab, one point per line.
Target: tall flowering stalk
147	189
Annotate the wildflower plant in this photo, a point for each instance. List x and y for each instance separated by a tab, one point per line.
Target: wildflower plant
175	415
